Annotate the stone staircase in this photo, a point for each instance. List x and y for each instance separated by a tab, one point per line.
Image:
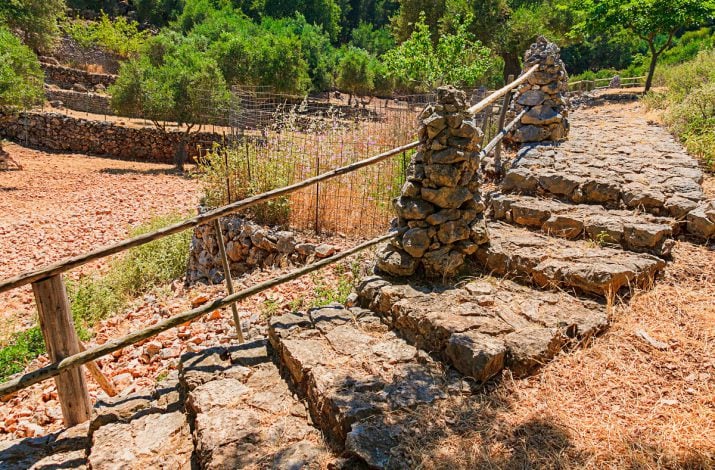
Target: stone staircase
570	228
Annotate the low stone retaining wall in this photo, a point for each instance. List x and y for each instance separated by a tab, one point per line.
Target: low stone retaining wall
66	77
248	246
87	102
57	132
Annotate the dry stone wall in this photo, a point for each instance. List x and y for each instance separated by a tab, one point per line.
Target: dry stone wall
543	96
58	132
79	101
66	77
249	246
440	209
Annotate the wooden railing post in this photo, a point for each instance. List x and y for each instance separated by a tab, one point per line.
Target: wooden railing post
61	340
502	119
227	276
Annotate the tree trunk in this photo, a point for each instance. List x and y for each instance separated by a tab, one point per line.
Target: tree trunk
651	69
511	65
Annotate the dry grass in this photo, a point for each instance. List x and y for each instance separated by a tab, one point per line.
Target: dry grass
620	403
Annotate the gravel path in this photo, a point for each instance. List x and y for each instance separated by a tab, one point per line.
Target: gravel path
62	205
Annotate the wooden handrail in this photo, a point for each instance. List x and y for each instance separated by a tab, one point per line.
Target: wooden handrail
87	356
71	263
502	91
66	265
54	369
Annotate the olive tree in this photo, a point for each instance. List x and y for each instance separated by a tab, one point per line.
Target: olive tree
654	21
20	76
182	85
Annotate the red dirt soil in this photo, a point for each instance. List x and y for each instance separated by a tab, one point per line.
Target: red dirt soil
60	205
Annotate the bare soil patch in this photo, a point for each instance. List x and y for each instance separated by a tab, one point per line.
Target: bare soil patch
62	205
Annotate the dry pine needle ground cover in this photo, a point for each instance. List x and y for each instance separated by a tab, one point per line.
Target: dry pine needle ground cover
620	403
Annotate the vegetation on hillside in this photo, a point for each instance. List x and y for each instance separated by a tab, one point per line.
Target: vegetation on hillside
20	73
689	103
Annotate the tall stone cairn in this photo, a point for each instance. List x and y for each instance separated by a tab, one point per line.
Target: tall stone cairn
543	95
440	207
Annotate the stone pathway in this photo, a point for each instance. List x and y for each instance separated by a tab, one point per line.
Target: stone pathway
571	227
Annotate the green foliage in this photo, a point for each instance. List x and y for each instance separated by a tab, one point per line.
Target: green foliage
653	21
20	73
119	36
23	348
356	72
324	13
248	172
174	81
141	269
458	59
35	21
157	12
689	103
375	41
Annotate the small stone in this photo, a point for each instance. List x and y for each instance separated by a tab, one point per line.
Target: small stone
448	198
395	262
416	241
453	231
412	208
324	251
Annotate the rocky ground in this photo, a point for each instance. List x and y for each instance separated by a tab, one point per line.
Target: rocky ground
62	205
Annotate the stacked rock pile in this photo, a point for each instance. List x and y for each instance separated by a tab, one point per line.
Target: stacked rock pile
440	209
543	95
249	246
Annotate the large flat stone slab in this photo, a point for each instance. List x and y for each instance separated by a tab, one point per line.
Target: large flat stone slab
634	231
245	416
65	449
487	324
359	378
618	163
144	430
565	264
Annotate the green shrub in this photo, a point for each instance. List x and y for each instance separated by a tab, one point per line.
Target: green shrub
119	36
141	269
23	348
689	103
20	73
247	171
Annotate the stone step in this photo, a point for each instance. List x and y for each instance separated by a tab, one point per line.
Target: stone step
485	325
631	230
243	413
145	430
658	178
571	264
361	381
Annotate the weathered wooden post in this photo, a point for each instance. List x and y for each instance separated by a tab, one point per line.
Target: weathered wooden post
502	120
61	340
227	276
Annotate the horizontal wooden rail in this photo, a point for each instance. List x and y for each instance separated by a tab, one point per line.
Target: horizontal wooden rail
502	133
502	91
71	263
109	347
68	264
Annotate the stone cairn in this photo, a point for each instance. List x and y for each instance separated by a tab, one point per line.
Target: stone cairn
543	95
440	209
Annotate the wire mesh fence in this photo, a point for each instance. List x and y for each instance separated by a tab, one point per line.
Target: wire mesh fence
270	139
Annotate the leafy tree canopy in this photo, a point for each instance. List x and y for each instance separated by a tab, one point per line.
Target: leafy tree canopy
20	74
181	85
458	58
650	20
35	21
